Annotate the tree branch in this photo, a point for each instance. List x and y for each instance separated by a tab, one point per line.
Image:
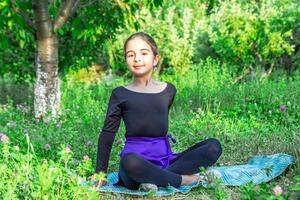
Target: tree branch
242	76
65	12
26	18
43	23
268	73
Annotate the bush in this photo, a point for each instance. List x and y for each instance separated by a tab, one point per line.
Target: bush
251	33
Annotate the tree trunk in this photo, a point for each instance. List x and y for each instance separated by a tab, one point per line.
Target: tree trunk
46	93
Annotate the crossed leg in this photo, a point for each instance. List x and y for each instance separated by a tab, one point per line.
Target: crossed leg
134	169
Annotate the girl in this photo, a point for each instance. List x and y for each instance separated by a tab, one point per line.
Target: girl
144	106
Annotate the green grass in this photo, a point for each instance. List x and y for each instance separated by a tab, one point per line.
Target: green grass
245	117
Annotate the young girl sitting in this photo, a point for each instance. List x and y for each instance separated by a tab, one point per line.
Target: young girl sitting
144	106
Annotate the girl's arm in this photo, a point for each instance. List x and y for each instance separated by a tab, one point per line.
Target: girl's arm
173	95
108	133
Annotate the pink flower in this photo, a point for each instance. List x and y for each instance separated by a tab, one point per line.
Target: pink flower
86	157
282	107
47	147
277	190
46	121
4	138
68	149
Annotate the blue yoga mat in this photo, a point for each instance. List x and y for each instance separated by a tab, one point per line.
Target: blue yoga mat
258	169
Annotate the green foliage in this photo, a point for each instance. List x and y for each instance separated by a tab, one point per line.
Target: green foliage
239	32
220	101
16	42
81	39
86	75
24	175
253	32
18	92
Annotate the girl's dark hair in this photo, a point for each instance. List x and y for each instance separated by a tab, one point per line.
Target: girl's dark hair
147	38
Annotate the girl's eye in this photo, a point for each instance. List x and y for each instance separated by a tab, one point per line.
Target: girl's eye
130	55
144	53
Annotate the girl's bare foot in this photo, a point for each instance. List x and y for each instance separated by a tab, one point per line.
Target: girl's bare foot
189	179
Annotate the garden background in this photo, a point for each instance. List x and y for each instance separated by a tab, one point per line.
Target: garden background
235	64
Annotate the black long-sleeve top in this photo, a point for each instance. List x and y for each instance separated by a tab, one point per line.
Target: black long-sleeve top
144	114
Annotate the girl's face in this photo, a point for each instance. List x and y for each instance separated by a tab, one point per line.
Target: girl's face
139	57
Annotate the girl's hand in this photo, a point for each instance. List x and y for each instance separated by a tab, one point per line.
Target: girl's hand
100	183
97	183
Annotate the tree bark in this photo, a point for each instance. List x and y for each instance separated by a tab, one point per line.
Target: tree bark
47	90
46	93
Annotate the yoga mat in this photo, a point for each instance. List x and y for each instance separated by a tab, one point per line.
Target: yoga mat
258	169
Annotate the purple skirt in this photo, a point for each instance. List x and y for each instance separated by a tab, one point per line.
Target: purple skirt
154	149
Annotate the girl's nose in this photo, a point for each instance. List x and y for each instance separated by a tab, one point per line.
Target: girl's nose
137	57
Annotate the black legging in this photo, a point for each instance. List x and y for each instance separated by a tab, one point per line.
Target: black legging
134	169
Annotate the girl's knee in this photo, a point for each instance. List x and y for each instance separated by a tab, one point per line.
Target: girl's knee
214	146
131	162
